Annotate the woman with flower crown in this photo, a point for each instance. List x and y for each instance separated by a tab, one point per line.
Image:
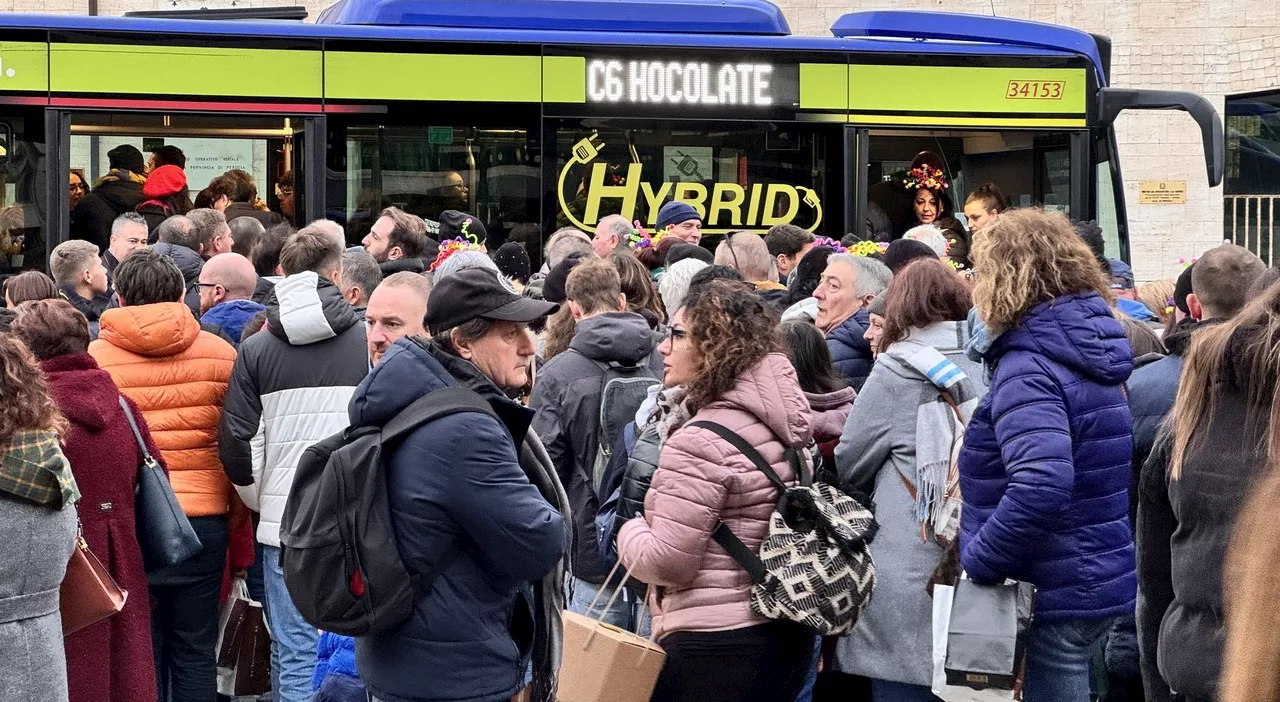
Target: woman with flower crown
928	185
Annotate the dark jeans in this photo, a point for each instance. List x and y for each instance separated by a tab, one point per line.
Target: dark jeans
184	617
764	663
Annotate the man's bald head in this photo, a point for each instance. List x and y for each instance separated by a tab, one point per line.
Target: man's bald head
233	272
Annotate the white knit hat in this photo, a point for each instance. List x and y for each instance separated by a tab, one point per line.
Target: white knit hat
675	283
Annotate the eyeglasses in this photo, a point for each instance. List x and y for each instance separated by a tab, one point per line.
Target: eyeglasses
674	335
79	186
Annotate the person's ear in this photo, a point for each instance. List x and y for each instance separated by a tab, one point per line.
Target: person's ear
1196	309
352	294
622	302
576	310
395	253
464	349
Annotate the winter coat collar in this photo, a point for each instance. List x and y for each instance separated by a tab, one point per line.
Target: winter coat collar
413	367
830	410
187	260
770	391
84	392
413	265
622	337
33	468
91	309
1077	331
232	316
305	309
159	330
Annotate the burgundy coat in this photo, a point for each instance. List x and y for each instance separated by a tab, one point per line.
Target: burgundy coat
111	661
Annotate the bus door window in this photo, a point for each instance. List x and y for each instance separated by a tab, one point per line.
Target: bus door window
23	199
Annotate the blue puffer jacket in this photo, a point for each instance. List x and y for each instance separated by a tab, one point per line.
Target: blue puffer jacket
1045	467
457	480
850	352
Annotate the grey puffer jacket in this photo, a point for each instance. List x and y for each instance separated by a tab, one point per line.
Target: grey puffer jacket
566	397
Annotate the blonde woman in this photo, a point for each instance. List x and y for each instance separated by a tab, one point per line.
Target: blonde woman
1158	297
1252	583
1046	461
1220	441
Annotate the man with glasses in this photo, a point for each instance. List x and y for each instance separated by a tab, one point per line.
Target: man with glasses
226	285
128	234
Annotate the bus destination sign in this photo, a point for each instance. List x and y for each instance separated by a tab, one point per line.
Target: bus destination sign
654	82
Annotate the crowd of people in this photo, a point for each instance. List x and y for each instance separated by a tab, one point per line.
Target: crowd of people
1004	398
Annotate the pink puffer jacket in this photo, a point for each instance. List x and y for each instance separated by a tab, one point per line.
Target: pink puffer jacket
700	480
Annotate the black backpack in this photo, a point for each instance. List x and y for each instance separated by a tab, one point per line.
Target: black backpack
337	545
623	388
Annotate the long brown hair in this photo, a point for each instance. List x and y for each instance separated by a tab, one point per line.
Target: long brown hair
924	292
27	404
1205	367
637	285
732	329
1251	586
1027	257
560	328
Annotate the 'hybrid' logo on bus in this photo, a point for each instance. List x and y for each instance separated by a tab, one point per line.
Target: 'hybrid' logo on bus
679	83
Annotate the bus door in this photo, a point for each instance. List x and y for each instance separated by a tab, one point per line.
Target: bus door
277	151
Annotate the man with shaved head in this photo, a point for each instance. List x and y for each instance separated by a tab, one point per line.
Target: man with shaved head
227	282
397	308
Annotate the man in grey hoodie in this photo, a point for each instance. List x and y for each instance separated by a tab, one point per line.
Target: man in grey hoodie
567	398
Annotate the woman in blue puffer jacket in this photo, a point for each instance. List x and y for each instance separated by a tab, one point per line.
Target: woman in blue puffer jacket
1045	468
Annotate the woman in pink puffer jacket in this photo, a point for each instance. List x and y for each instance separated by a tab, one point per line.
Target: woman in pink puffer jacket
724	364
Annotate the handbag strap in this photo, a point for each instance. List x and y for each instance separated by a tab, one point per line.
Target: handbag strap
137	433
723	535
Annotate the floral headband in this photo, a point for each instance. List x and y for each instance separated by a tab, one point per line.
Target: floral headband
449	247
926	178
640	239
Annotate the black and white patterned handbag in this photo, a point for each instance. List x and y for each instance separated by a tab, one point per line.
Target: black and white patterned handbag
814	566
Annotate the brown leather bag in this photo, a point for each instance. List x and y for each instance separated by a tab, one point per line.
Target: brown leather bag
89	594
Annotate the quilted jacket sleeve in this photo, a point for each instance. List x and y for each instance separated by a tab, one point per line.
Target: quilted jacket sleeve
1032	428
241	414
689	489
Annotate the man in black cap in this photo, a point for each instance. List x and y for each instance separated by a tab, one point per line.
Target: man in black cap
474	484
117	192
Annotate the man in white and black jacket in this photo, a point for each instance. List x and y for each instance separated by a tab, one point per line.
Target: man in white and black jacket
289	389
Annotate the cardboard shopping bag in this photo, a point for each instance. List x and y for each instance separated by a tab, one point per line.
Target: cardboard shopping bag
244	646
603	663
980	638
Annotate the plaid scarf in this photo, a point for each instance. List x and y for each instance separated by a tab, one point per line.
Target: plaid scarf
34	469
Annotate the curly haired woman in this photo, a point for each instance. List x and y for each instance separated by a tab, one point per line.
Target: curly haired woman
1046	459
725	348
38	521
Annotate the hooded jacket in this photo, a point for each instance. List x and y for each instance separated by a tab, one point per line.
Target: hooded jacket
110	661
231	317
1185	528
190	263
177	375
161	191
702	480
1045	466
118	192
457	480
850	352
830	410
566	398
290	389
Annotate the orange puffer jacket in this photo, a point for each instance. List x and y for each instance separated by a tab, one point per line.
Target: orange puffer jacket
702	480
177	374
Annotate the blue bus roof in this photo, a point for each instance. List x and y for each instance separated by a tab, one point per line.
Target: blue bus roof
751	17
939	43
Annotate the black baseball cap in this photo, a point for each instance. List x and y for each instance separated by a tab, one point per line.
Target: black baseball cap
476	293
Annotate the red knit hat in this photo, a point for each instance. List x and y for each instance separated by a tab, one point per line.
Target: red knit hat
164	182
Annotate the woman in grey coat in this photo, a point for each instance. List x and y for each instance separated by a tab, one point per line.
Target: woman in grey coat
898	445
38	521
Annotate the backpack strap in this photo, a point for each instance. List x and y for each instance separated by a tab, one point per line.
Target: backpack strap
434	405
723	535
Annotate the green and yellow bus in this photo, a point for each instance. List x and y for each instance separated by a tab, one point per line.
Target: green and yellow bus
536	114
